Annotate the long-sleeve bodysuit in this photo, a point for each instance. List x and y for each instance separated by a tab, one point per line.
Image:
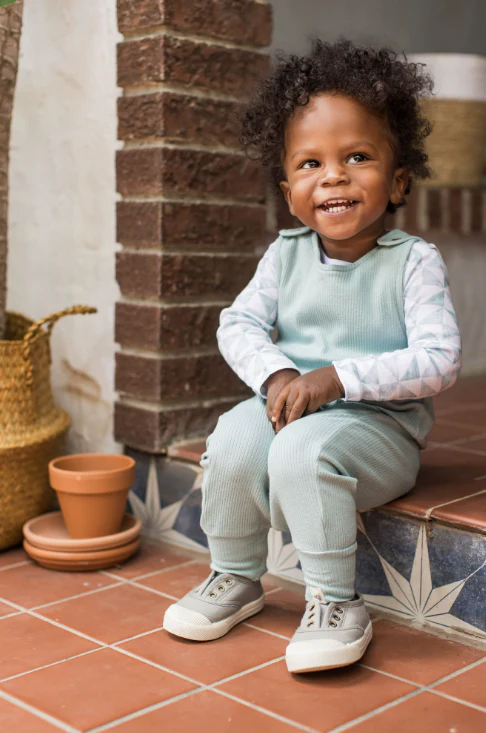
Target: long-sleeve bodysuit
388	325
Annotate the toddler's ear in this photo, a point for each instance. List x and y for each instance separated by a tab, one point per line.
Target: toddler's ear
399	185
288	195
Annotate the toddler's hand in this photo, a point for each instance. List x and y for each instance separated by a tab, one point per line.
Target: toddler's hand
304	395
274	384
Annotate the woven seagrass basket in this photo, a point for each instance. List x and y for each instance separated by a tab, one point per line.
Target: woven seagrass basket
457	145
32	428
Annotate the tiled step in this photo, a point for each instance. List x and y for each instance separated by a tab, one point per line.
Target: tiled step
421	557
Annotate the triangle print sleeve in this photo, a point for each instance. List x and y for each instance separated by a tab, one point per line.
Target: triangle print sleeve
243	335
432	361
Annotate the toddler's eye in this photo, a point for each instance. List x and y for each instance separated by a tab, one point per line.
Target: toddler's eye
310	164
357	158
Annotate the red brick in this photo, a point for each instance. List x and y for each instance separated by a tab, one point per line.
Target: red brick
434	208
193	226
139	275
476	209
166	327
193	65
411	212
285	220
174	172
176	378
179	118
154	276
455	210
240	21
153	430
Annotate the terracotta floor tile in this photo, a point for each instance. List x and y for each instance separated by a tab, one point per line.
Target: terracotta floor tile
445	432
31	585
150	557
424	713
209	662
445	474
10	557
96	689
5	610
465	513
469	390
113	615
471	417
469	686
27	642
322	700
282	613
212	712
414	655
190	452
179	581
16	720
475	444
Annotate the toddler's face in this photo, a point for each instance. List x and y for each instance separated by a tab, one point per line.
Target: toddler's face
336	150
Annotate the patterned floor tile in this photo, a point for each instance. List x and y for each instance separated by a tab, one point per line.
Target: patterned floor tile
211	661
95	689
16	720
27	642
322	700
414	655
113	615
31	585
212	712
424	713
469	686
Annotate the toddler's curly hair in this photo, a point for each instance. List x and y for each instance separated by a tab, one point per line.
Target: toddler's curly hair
378	79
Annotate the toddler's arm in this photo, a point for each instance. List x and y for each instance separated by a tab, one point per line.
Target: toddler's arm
432	361
244	331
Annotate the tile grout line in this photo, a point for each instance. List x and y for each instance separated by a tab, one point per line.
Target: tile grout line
377	711
143	711
425	688
109	574
15	565
246	671
266	631
38	713
452	501
457	672
265	711
46	666
458	700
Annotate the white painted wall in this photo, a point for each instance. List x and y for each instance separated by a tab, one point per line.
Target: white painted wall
62	200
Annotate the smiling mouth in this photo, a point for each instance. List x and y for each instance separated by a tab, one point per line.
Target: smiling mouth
339	206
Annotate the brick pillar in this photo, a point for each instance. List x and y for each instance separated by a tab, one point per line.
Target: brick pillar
192	212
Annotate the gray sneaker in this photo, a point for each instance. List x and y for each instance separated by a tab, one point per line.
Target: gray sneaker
330	635
214	607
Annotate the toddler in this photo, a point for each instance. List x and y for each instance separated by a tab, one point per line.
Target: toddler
367	334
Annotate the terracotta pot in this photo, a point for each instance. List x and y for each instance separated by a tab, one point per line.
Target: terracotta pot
92	489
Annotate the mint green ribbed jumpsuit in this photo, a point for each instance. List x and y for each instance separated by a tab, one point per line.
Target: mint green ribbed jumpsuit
315	473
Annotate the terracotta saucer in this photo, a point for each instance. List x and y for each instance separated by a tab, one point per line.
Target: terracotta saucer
81	561
49	533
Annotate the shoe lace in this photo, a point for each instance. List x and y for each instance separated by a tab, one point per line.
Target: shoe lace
313	616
